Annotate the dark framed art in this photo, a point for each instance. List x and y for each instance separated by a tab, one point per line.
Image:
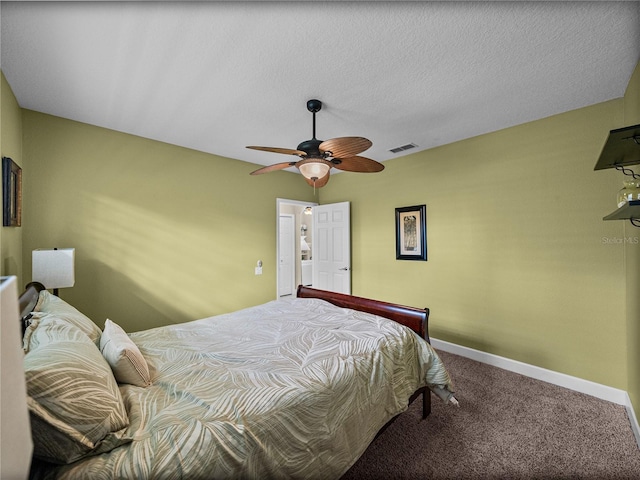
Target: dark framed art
11	193
411	233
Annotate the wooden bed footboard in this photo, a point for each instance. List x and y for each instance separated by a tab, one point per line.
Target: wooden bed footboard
417	319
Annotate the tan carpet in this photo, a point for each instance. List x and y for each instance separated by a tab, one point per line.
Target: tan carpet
508	427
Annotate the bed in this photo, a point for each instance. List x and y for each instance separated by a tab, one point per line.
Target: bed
294	388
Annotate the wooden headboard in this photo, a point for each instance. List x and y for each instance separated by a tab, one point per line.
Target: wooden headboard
28	301
417	319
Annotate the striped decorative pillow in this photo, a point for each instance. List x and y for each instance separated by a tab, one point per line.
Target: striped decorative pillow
74	401
124	357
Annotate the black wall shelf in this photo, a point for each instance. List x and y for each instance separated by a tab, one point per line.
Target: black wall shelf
622	148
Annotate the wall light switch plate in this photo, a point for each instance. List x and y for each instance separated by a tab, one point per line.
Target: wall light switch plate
258	270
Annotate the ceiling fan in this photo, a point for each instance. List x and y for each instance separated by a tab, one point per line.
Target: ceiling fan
317	157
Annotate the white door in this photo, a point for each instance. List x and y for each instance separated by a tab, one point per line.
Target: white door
286	256
332	247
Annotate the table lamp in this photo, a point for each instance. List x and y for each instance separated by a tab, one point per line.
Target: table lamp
53	268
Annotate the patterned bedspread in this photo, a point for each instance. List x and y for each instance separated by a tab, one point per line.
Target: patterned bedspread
289	389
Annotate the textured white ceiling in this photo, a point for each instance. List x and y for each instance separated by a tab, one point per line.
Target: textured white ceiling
217	76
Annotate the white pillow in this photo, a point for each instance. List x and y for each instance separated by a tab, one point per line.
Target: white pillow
124	357
48	303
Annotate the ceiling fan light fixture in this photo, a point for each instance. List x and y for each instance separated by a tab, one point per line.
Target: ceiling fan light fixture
314	168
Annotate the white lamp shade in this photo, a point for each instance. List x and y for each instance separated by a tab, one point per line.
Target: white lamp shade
314	169
304	246
53	268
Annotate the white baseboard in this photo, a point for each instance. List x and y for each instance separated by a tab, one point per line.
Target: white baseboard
634	420
603	392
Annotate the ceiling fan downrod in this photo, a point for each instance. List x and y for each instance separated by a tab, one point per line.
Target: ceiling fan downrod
314	106
312	146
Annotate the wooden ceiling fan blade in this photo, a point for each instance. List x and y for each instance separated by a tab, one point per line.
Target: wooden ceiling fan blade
357	164
286	151
321	182
343	147
273	168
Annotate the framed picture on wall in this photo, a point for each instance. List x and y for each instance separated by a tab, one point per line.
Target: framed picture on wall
11	193
411	233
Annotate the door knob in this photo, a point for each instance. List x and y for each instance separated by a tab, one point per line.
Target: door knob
345	268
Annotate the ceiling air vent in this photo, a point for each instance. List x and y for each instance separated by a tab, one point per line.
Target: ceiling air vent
408	146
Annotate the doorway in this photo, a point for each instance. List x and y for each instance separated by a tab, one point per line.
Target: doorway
301	237
323	262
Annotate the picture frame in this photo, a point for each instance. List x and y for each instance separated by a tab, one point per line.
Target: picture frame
411	233
11	193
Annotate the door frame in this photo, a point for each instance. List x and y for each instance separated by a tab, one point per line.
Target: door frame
279	203
291	252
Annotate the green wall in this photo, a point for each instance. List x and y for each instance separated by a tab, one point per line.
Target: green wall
520	263
163	234
10	146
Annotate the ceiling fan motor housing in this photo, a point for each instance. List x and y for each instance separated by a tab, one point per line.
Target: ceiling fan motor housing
312	148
